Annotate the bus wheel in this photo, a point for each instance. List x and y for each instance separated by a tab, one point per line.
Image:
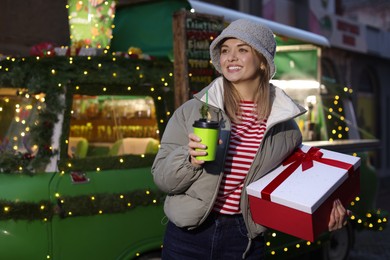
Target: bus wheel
339	245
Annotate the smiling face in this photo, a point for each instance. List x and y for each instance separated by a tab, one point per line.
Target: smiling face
240	63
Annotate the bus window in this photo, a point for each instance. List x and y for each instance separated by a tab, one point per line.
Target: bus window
18	112
112	126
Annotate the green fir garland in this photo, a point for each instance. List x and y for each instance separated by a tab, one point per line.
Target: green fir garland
78	206
108	203
60	75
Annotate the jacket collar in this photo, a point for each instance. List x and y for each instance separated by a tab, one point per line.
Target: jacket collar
283	107
214	94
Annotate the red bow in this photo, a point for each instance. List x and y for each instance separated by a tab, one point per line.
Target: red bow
306	160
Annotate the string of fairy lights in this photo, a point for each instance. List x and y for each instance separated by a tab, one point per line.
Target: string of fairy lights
92	205
374	220
338	124
46	78
128	76
81	75
107	74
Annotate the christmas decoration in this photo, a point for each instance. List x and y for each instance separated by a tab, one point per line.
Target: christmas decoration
42	49
78	206
91	21
57	76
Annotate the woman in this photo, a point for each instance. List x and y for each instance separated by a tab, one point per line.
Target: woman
206	203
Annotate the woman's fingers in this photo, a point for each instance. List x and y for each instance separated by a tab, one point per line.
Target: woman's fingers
338	216
196	148
194	144
332	219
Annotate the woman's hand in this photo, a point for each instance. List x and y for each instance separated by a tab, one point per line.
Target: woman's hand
193	144
338	216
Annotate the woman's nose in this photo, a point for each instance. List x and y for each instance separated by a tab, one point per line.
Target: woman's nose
232	56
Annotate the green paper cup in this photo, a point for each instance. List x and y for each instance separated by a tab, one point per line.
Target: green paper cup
208	131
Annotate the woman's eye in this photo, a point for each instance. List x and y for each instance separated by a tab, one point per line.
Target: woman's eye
224	51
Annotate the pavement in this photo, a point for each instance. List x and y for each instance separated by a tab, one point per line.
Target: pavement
375	245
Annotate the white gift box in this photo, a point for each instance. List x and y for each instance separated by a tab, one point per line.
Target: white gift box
296	198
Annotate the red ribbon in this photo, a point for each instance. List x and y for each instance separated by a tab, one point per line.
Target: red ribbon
306	160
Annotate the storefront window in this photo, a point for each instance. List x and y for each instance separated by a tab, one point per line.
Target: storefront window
367	110
112	125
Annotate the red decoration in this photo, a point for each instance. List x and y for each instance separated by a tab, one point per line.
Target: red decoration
42	49
79	177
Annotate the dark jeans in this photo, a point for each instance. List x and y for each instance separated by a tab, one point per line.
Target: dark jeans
220	237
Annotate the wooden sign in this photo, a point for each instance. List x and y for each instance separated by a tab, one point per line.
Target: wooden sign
193	34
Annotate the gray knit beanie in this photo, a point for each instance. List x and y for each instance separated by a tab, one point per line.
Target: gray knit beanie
258	36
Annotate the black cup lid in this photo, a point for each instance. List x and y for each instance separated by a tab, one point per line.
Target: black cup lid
203	123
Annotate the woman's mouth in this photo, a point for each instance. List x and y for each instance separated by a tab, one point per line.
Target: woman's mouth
234	68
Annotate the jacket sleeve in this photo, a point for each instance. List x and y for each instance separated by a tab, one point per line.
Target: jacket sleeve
172	171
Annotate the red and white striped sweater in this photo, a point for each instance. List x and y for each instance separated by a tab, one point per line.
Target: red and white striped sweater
245	140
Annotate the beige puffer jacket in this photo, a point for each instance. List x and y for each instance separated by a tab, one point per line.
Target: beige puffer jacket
191	191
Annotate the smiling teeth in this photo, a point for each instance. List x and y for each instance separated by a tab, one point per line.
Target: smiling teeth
234	68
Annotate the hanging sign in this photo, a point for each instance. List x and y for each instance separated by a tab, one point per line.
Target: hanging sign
193	34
